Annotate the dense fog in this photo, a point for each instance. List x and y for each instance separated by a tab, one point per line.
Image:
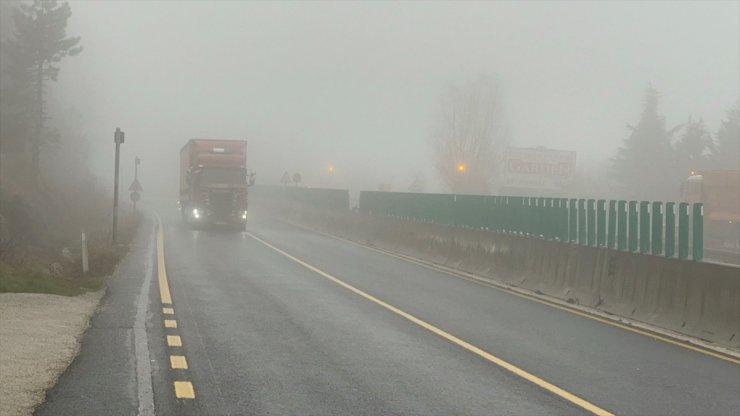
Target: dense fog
358	86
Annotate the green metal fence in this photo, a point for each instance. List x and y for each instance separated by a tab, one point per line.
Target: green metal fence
647	227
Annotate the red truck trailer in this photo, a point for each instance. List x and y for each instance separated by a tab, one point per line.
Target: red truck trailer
214	182
719	190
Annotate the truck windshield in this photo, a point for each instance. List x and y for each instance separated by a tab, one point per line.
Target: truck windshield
217	176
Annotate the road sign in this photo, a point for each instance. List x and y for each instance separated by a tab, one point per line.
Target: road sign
538	168
118	136
135	186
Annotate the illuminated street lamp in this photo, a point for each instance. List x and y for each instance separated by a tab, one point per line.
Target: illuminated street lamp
330	168
461	167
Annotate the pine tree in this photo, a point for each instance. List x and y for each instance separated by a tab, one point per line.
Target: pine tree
644	164
39	43
15	88
693	148
726	153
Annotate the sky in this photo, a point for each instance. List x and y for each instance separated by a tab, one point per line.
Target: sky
356	84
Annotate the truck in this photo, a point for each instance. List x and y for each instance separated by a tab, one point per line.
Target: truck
719	191
213	183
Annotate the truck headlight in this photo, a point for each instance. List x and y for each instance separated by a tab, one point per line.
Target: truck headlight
196	213
244	215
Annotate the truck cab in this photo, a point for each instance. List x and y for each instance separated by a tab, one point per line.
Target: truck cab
214	182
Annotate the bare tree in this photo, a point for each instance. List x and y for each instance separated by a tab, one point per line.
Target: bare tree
470	136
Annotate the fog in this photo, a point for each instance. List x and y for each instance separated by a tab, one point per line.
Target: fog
355	85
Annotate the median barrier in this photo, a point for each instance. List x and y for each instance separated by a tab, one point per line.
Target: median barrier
698	299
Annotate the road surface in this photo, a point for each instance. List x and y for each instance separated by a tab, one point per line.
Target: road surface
281	320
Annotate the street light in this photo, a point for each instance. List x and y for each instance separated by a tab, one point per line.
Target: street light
461	167
330	168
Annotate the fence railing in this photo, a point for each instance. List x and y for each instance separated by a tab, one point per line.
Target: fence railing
649	227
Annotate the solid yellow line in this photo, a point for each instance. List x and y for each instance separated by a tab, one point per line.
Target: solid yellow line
470	347
168	311
164	287
174	341
184	390
178	362
473	279
170	323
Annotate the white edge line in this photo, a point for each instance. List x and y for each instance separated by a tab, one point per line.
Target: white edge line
141	344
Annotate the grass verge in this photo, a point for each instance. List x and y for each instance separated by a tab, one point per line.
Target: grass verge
37	270
25	280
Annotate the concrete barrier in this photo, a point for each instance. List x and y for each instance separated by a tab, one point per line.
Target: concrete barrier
697	299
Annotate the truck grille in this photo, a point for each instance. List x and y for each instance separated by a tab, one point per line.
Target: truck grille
221	203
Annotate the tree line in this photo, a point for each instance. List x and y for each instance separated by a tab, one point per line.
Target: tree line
470	139
654	160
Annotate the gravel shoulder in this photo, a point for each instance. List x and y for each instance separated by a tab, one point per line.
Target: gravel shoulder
39	336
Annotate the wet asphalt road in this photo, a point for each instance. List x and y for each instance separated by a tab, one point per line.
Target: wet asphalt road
264	334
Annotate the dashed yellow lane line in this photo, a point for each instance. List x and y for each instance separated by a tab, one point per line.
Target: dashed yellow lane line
470	347
480	281
184	390
164	287
178	362
174	341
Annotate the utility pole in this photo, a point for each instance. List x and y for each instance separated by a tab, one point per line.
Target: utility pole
118	139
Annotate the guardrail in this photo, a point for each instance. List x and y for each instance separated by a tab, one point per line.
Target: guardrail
649	227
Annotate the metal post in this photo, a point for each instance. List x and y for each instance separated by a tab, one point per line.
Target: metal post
657	229
582	221
85	264
633	226
622	225
644	227
542	218
611	230
683	230
591	227
572	221
118	139
601	223
670	229
563	219
697	231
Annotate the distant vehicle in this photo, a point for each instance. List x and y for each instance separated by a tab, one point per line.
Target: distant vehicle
719	191
213	183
